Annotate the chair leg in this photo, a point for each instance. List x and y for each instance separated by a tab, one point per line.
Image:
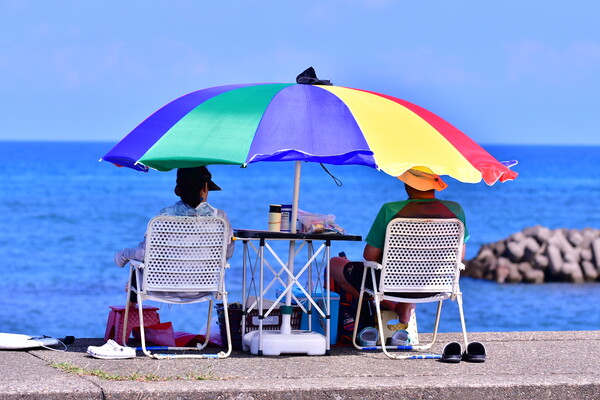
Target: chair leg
411	356
227	327
169	356
462	318
435	329
126	316
207	334
380	326
125	320
357	320
383	346
359	308
142	329
421	347
220	354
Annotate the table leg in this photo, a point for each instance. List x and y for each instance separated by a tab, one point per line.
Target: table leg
260	297
245	255
310	286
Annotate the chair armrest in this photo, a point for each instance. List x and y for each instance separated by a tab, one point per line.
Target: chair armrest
136	264
372	264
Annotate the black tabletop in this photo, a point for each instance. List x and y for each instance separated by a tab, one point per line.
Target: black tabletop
254	234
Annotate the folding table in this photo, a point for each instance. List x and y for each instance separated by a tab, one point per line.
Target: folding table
286	340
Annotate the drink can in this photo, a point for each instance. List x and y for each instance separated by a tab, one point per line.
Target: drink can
286	217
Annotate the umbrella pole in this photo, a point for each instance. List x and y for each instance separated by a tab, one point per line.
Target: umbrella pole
286	322
296	196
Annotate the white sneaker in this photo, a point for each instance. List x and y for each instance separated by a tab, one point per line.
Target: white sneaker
111	350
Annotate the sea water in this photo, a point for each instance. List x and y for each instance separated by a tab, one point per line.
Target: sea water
64	214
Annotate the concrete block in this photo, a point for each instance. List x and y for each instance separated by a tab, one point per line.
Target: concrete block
572	272
572	255
485	255
532	248
514	275
543	234
575	237
590	274
475	268
596	253
499	248
555	261
586	255
517	237
532	275
502	269
540	262
515	250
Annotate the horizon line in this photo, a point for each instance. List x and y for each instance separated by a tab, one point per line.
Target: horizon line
7	140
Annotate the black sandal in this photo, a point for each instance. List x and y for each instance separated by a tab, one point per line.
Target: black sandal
452	353
475	352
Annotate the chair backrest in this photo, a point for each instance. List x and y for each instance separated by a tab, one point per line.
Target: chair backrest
185	254
422	255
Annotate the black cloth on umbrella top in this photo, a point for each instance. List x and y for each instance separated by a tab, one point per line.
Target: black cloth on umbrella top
309	77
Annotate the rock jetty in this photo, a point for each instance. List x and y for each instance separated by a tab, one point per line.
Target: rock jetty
538	254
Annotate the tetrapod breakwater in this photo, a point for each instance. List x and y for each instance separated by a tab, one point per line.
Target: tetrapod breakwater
538	254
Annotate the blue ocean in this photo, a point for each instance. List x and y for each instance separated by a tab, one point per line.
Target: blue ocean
65	214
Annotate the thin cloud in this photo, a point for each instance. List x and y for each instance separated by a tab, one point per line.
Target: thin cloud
535	61
376	4
426	66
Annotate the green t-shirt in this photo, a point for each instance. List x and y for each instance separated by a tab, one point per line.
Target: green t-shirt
413	208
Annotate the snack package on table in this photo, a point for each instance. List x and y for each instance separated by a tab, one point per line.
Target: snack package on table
318	223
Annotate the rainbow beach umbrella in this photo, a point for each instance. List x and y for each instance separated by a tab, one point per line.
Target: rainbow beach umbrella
247	123
310	120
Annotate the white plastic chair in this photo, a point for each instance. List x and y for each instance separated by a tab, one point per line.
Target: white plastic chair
422	257
185	262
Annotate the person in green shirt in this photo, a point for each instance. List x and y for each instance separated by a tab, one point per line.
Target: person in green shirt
420	187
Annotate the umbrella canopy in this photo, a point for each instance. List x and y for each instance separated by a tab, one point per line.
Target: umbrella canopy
247	123
307	121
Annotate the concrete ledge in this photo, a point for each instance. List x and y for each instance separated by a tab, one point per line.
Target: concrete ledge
520	365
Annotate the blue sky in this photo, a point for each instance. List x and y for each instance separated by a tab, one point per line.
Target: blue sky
515	72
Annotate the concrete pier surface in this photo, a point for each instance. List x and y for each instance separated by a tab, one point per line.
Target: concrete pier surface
520	365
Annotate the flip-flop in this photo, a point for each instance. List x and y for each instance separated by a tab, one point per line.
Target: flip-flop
452	353
475	352
400	338
368	336
68	339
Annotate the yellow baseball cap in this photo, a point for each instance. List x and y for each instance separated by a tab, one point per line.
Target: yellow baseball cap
421	180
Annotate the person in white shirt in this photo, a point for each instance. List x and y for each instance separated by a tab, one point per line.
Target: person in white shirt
193	185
